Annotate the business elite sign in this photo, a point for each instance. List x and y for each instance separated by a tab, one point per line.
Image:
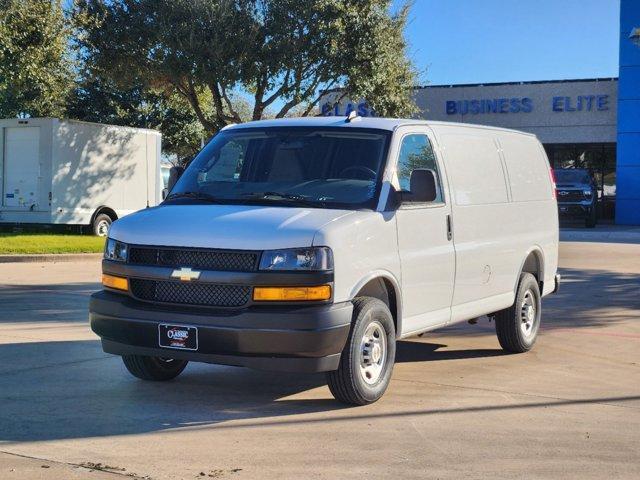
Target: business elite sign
577	103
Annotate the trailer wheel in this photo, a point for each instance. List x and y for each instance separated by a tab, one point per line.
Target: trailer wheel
153	368
101	225
367	360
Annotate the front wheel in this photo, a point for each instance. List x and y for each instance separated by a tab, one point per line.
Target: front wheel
517	326
153	368
367	360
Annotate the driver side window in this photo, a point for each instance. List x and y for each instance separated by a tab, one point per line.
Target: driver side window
415	153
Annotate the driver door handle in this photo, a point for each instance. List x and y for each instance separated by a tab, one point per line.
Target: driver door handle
449	228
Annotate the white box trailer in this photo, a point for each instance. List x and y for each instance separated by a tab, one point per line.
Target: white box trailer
68	172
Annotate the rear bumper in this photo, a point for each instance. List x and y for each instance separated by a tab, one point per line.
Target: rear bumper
286	338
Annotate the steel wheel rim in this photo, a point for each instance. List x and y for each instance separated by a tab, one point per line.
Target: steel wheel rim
103	228
373	352
528	314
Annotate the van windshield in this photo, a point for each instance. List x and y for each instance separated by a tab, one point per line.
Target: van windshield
295	166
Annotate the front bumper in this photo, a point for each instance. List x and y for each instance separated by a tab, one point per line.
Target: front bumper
285	338
575	209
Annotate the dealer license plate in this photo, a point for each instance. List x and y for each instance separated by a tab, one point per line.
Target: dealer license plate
178	336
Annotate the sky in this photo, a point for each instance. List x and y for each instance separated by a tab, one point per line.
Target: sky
483	41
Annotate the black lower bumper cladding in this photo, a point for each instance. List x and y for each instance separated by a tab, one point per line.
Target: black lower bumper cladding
286	338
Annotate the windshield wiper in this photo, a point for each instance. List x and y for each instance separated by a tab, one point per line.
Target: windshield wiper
195	195
290	197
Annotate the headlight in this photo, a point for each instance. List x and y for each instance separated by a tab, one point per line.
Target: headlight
311	258
116	251
586	193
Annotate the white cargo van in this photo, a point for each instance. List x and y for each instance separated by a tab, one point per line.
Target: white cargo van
313	245
76	173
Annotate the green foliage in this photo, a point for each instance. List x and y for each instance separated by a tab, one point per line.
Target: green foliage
378	68
35	71
280	53
97	99
189	67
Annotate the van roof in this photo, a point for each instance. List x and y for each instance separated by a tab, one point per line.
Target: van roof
360	122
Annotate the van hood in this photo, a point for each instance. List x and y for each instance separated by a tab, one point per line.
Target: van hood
241	227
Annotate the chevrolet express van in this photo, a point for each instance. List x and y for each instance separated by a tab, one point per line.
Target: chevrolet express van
315	244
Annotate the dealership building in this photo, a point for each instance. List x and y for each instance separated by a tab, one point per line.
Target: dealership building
583	123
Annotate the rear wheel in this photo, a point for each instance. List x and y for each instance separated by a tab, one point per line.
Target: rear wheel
101	225
517	326
367	360
153	368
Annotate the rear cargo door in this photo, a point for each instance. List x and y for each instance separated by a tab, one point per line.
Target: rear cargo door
21	169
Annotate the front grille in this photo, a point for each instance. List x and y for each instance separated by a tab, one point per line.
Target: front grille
221	260
570	195
200	294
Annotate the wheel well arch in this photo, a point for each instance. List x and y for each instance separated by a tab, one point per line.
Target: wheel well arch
386	289
533	263
106	210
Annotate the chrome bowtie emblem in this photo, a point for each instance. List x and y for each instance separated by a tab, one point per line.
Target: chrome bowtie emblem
186	274
563	193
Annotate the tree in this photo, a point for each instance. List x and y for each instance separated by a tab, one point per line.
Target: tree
35	70
97	99
282	54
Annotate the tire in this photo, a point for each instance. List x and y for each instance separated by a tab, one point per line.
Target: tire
516	328
592	219
364	371
153	368
101	225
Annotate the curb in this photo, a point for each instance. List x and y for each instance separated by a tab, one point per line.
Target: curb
52	258
621	236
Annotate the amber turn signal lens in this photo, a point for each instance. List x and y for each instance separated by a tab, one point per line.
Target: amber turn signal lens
119	283
291	294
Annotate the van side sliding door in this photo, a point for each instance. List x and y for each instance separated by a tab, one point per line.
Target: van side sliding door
483	227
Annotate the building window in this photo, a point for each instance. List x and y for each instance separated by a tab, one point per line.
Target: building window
599	159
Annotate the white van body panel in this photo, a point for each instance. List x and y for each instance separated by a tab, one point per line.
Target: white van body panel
74	168
363	243
503	209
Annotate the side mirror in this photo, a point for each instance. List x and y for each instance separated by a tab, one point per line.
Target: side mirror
422	186
174	174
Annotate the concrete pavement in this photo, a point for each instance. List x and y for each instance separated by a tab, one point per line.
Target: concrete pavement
457	406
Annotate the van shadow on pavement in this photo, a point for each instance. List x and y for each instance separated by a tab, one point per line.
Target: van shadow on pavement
74	390
68	302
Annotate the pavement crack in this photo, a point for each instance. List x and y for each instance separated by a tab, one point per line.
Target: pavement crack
87	465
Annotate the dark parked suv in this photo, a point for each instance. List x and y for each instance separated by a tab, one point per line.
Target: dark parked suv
577	194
